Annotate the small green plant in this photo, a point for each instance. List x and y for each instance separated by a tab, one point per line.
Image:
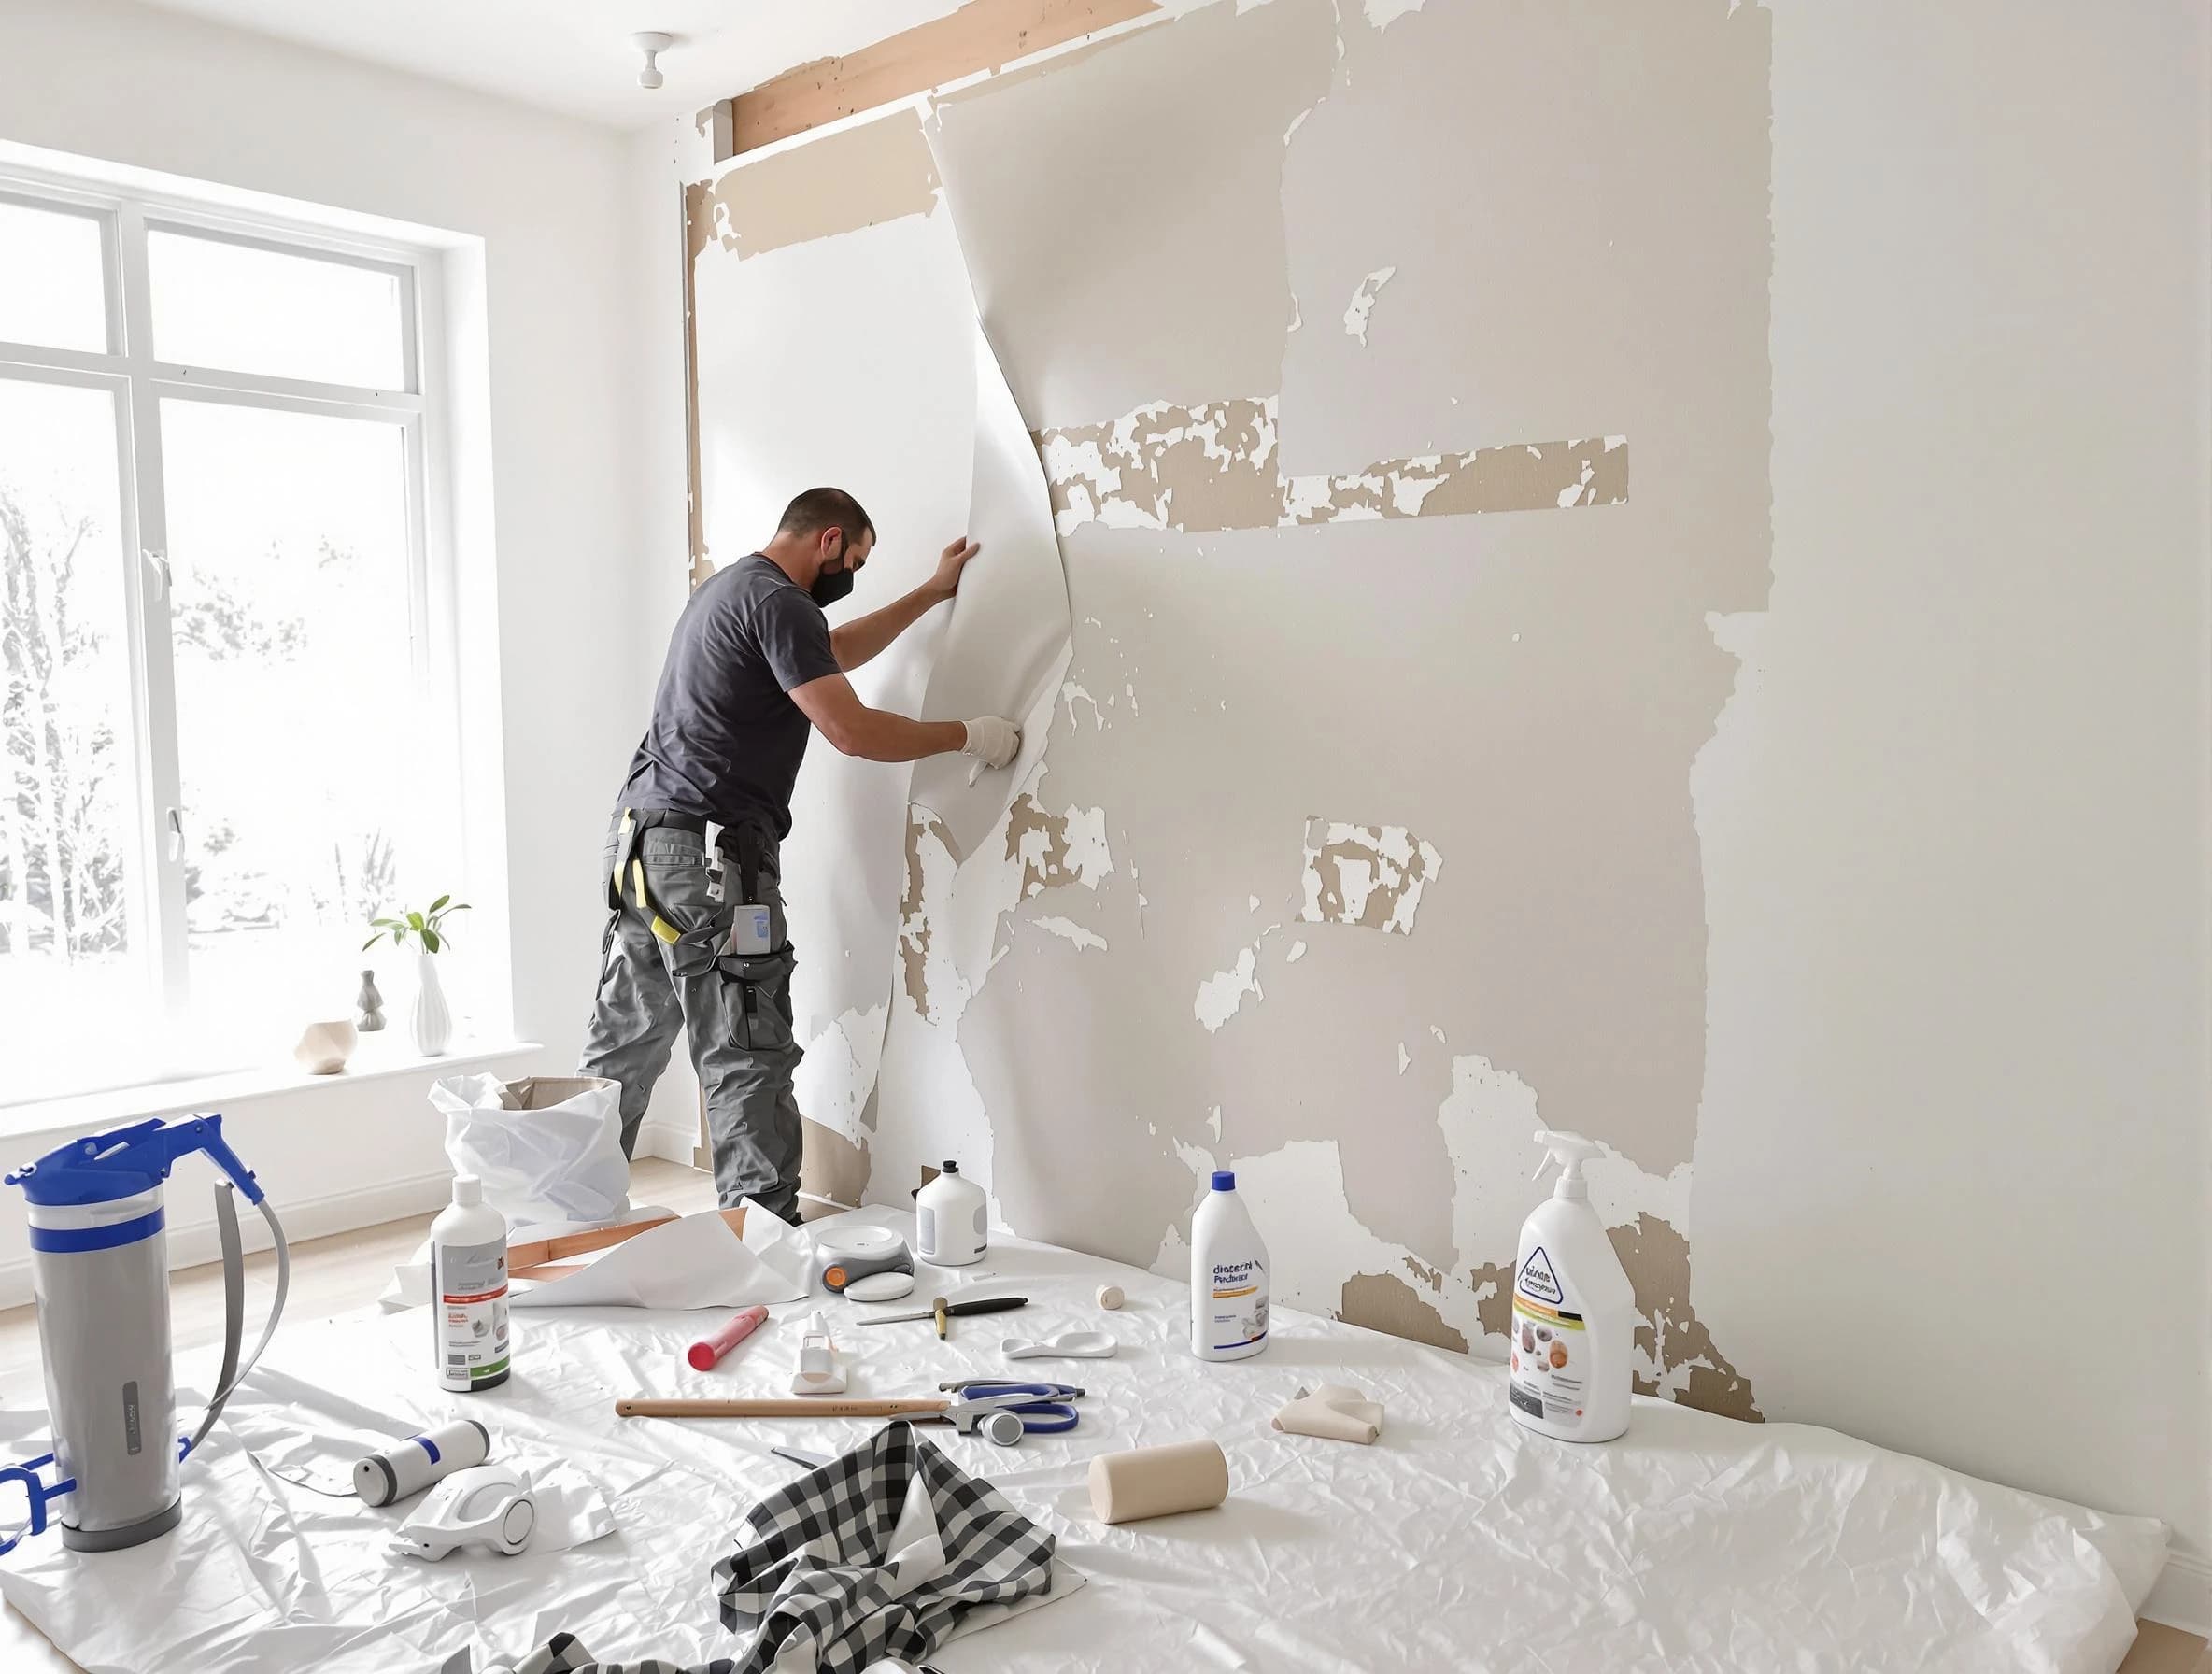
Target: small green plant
428	926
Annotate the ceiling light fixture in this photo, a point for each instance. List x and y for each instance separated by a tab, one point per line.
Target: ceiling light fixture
652	43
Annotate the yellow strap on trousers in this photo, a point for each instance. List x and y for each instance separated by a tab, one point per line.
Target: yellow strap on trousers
644	902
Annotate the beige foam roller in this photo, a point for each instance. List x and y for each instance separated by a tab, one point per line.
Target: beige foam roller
1154	1481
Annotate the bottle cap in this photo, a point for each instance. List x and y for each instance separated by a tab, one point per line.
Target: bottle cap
1225	1180
468	1190
950	1167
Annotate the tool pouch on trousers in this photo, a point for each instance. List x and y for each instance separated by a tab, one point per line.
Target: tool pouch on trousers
759	992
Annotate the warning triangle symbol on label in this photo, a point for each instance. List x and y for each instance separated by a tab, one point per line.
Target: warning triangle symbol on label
1538	1279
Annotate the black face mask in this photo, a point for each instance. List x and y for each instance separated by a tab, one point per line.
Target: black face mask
832	584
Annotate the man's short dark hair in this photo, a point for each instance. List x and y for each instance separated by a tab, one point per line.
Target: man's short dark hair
822	508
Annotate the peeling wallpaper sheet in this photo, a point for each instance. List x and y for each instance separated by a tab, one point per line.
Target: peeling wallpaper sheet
1007	646
1216	927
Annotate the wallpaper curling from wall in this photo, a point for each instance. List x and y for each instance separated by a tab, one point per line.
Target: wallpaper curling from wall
1362	842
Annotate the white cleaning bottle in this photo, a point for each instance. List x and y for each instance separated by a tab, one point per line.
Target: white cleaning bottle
951	1220
1574	1312
468	1289
1229	1277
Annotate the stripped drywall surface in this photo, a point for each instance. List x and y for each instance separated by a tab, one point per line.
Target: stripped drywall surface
1522	692
842	181
1371	875
1215	466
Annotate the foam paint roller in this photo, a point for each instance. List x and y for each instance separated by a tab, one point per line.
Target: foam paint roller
1154	1481
417	1462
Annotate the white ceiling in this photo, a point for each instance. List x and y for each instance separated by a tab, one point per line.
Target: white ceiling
574	56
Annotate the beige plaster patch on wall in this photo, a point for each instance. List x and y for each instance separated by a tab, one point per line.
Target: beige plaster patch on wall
1523	476
838	183
831	1167
1052	849
1385	1302
1675	1351
1492	1285
1368	876
928	842
1165	467
1214	466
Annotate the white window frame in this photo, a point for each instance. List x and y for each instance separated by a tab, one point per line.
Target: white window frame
138	383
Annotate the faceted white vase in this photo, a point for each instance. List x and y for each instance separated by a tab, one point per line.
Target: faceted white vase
431	1020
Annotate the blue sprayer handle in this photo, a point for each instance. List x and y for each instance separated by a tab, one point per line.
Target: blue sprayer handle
37	1492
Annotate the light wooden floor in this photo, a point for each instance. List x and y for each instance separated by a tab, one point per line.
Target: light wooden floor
329	1276
333	1275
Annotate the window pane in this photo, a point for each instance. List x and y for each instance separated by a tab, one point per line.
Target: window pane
243	309
300	744
76	1002
53	284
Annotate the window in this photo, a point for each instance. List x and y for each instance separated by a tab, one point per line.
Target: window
224	743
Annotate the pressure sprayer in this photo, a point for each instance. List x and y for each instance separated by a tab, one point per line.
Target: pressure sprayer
100	1270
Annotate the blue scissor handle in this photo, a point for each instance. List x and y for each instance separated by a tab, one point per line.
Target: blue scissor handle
1050	1413
37	1492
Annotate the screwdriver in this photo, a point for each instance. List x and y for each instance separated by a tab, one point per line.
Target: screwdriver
941	1310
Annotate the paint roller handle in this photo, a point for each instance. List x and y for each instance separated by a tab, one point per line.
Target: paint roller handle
800	1408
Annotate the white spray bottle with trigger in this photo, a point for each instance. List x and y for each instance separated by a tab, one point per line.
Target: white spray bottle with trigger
1574	1311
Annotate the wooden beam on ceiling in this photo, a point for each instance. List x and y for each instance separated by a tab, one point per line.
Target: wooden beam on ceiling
981	35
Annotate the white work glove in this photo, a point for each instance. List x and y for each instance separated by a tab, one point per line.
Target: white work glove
994	739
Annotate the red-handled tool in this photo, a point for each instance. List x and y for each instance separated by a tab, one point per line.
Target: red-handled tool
742	1324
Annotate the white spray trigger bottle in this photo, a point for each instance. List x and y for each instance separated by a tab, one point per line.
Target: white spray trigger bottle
1571	1151
1574	1312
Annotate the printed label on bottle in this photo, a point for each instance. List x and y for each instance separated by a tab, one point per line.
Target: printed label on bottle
925	1231
1237	1316
470	1283
1551	1359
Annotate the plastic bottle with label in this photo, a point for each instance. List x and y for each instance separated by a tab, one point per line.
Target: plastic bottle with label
1229	1277
1574	1311
951	1220
468	1290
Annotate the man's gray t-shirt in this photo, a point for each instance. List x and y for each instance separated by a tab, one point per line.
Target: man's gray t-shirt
724	741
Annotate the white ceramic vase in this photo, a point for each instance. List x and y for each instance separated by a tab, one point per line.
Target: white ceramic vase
431	1020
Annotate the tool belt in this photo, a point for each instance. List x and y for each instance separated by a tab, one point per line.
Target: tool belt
737	841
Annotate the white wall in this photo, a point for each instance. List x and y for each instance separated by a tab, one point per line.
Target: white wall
564	295
654	231
1951	1171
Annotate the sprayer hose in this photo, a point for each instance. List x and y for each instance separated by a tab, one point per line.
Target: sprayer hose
276	1312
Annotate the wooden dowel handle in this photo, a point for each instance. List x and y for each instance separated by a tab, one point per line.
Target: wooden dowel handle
801	1408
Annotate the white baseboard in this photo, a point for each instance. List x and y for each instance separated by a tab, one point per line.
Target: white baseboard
2183	1596
195	1243
667	1141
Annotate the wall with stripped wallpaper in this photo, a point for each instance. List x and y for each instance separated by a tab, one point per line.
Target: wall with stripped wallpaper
1441	753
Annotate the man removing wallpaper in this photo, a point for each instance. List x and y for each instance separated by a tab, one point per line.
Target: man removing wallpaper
696	935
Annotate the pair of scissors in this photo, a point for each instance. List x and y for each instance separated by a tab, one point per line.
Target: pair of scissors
1004	1412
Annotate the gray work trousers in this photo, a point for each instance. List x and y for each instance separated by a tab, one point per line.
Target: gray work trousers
736	1011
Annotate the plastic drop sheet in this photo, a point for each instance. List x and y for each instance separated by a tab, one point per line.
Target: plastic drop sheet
1457	1541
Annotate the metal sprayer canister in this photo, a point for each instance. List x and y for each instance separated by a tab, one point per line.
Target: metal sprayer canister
101	1272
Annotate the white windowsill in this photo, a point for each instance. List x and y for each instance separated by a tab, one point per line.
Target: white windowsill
87	1112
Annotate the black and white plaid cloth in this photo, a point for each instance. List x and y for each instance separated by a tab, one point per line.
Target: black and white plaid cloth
875	1555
